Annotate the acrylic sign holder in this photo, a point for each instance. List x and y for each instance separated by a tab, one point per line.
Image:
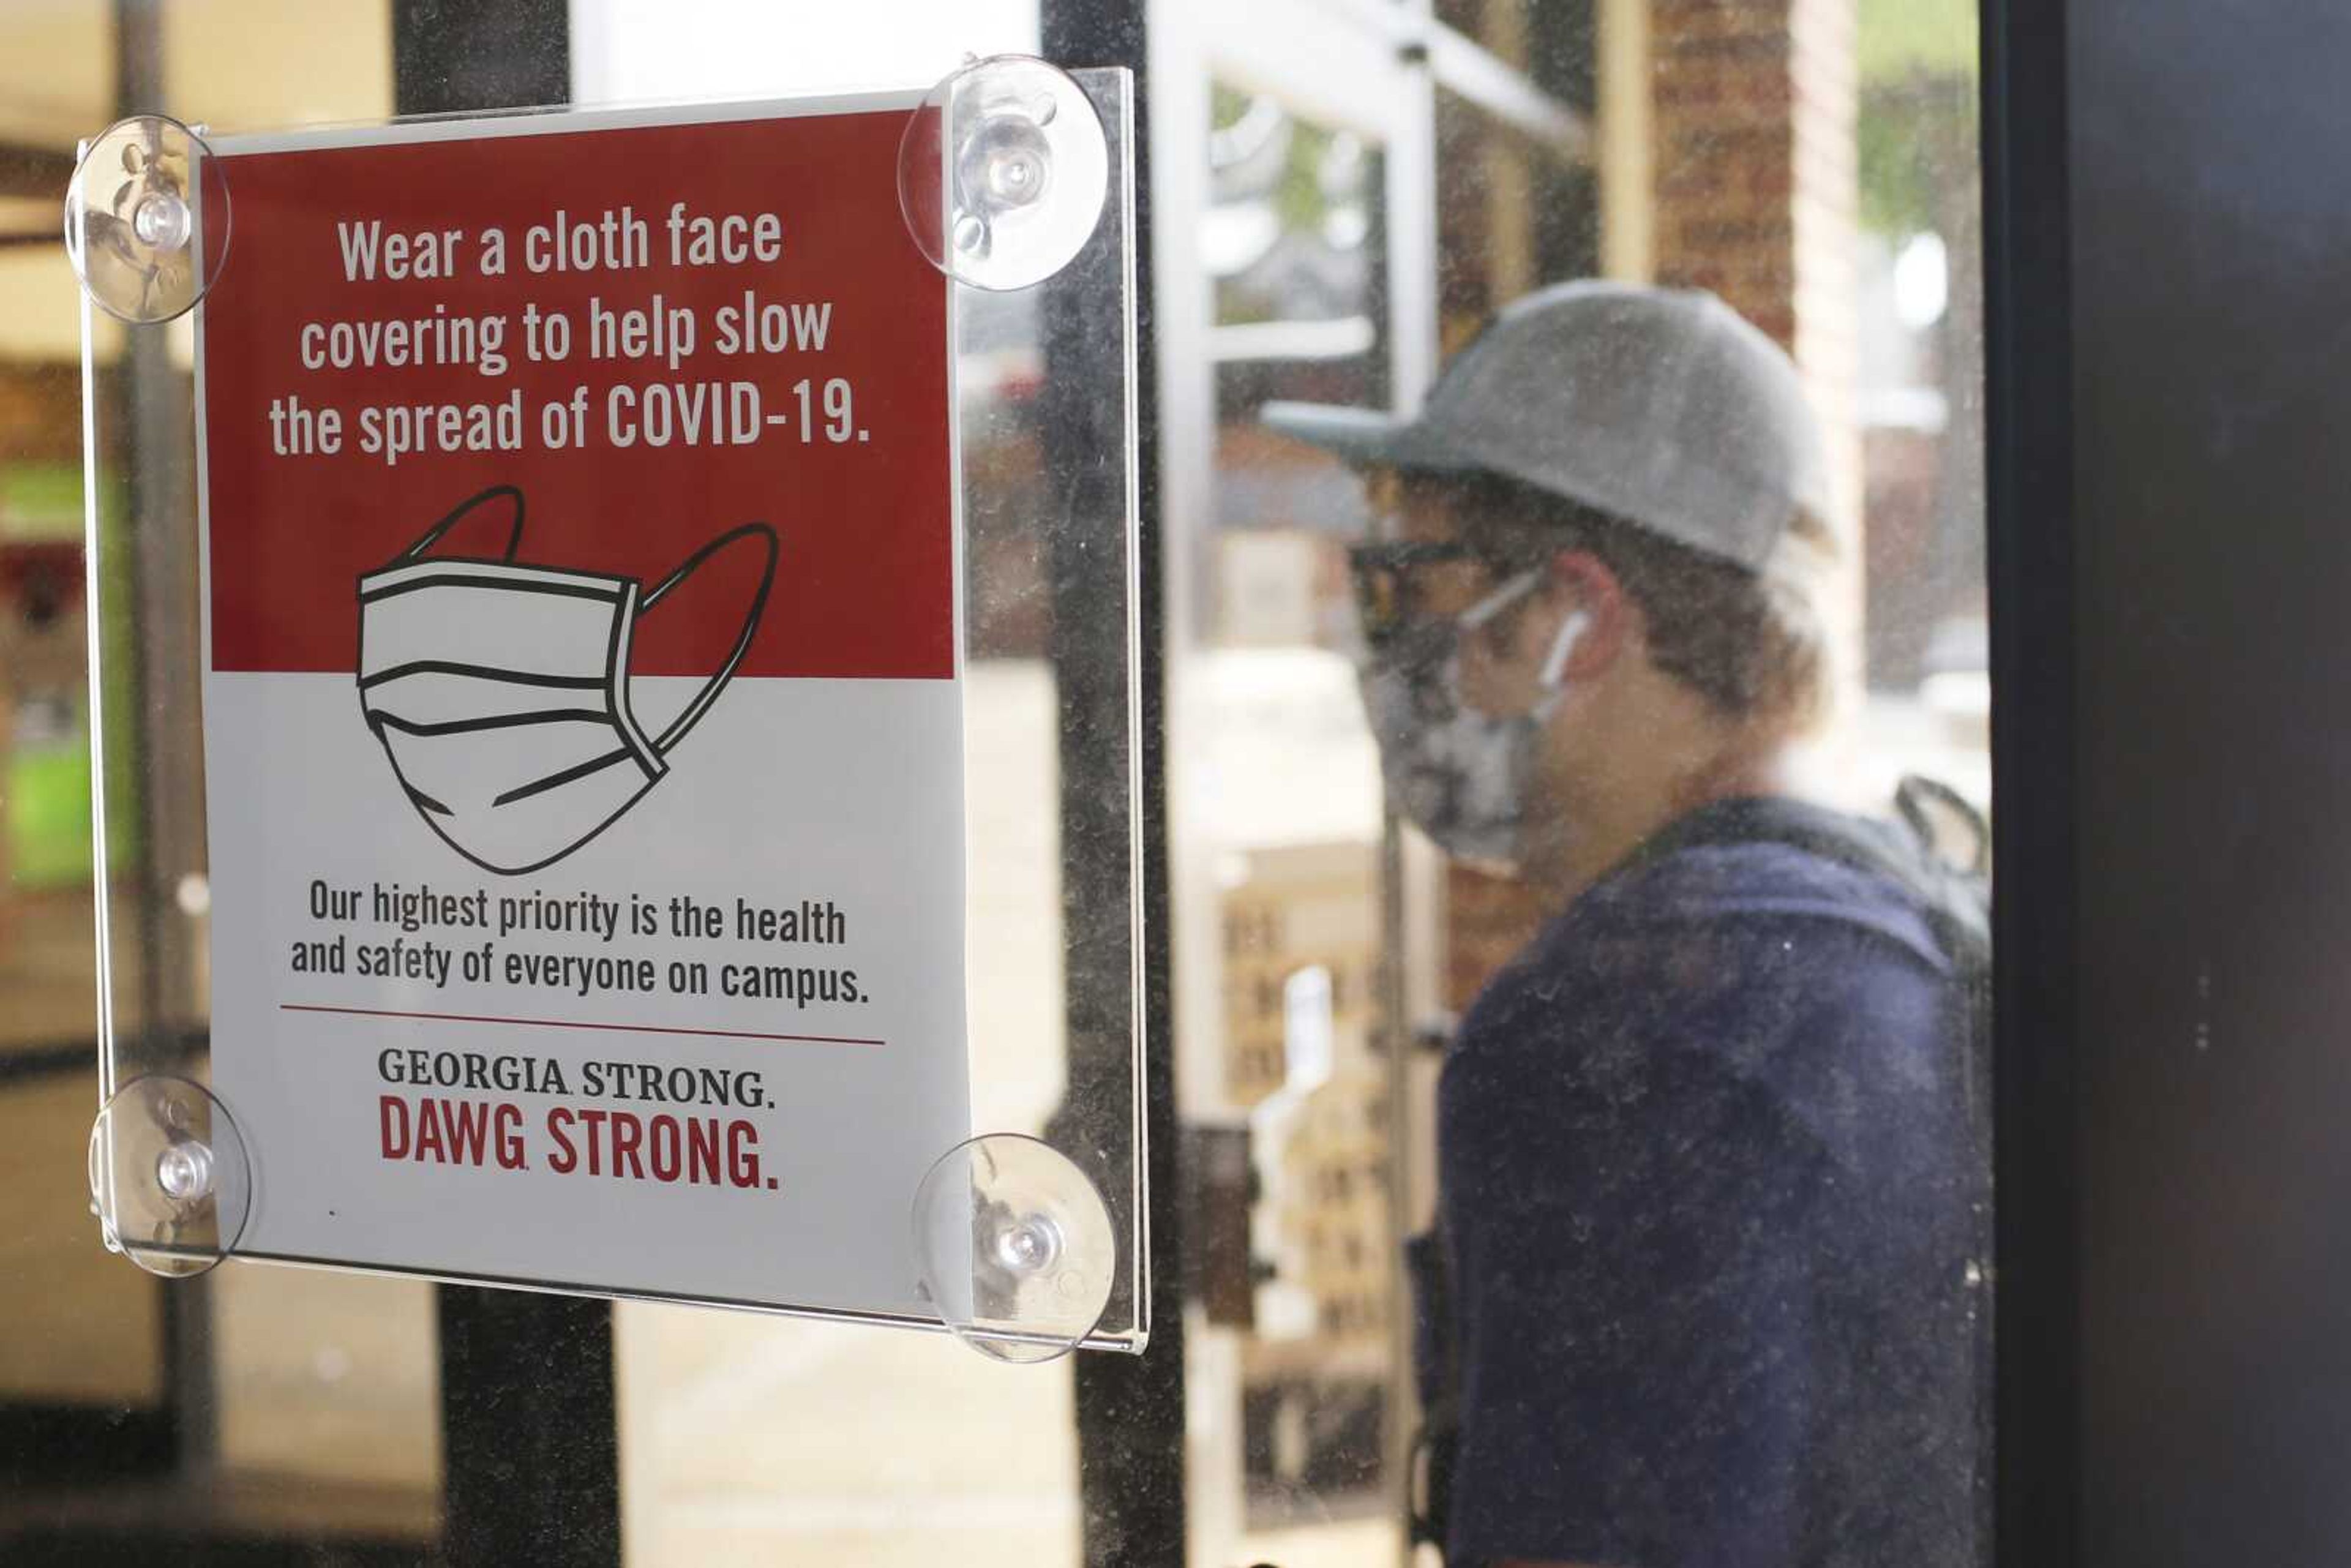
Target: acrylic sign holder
1016	181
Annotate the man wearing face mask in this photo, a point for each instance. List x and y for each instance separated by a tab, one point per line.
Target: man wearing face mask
1712	1169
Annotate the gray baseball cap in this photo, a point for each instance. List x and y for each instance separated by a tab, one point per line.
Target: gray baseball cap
1663	407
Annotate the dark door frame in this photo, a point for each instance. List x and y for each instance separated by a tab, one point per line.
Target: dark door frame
2180	1376
530	1439
1130	1409
2029	523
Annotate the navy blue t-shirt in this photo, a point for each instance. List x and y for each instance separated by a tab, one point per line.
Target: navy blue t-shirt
1712	1187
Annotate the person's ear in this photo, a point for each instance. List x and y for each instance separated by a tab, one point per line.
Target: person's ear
1580	582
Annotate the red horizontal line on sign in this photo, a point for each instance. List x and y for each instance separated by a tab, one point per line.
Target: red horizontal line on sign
569	1023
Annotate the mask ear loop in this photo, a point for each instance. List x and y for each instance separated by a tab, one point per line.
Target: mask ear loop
726	672
433	535
1562	645
1508	593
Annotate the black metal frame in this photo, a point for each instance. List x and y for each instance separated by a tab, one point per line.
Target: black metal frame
50	1444
2211	766
1130	1410
2029	456
528	1419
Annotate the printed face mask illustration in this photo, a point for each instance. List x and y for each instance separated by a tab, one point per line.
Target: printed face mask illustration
500	691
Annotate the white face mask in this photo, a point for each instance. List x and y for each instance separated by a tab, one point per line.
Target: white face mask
1460	775
500	692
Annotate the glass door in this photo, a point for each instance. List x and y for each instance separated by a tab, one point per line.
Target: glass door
1344	195
1348	197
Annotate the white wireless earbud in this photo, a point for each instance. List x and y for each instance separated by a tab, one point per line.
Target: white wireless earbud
1562	648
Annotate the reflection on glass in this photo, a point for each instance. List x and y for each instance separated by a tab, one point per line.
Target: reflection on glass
1822	184
1920	297
1294	244
1287	229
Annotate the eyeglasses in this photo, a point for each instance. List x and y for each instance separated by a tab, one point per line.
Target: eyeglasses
1387	602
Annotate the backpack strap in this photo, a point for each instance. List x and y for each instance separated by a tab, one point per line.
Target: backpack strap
1956	906
1953	900
1919	798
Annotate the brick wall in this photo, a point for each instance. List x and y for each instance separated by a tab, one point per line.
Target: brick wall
1758	198
1752	108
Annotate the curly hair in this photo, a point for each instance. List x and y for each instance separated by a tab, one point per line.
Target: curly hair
1755	644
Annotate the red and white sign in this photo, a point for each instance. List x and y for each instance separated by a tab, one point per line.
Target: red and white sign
583	730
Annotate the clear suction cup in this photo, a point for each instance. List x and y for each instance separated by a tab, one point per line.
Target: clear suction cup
147	242
1003	172
1016	1247
168	1176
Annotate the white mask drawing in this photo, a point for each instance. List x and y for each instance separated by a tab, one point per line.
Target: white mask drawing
500	690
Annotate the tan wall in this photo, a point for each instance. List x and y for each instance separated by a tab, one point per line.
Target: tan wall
250	64
228	65
81	1325
56	70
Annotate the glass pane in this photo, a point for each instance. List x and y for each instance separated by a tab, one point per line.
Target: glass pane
1629	1211
311	1398
1296	241
1668	594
